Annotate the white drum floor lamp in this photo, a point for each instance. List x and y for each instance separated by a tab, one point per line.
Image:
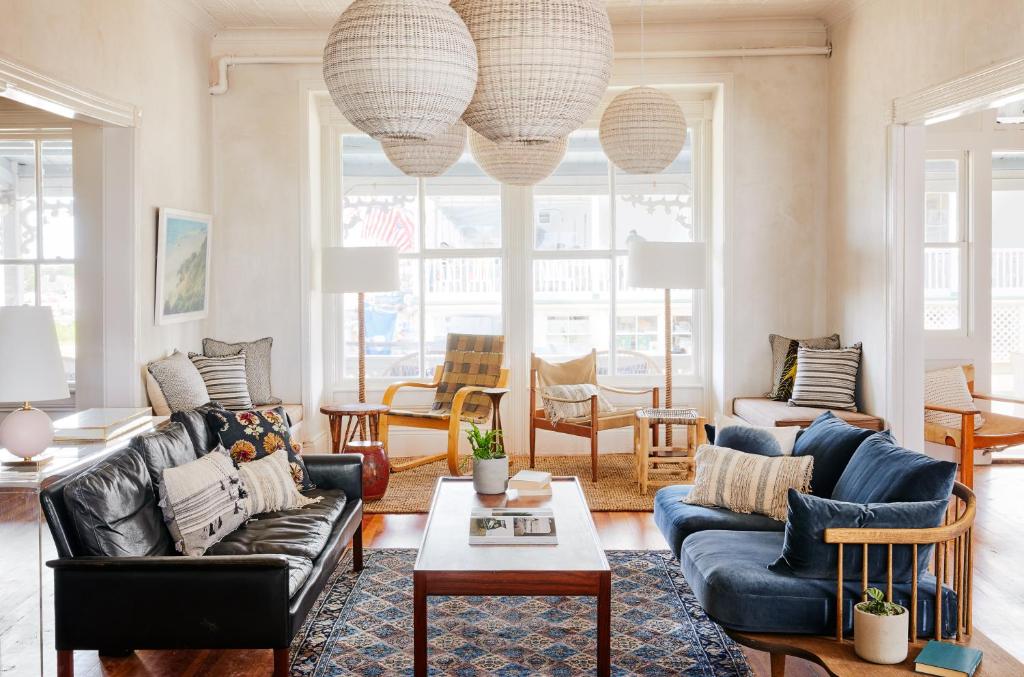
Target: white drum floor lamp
668	266
360	270
31	370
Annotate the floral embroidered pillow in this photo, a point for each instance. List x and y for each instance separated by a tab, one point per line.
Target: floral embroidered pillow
254	434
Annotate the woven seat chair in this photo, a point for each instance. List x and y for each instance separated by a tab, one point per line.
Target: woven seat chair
999	431
576	372
472	363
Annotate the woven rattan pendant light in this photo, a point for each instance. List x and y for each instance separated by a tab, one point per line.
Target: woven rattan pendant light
643	129
424	159
544	66
400	69
515	163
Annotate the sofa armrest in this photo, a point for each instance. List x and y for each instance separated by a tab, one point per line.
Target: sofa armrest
171	602
337	471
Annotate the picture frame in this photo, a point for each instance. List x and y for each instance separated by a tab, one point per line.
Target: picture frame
183	251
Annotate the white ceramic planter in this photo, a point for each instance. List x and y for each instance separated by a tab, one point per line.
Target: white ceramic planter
880	639
490	476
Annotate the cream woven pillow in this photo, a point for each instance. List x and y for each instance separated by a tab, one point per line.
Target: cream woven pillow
268	485
746	483
948	388
556	410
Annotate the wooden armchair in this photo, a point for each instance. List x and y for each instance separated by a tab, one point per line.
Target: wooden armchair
998	432
575	372
472	365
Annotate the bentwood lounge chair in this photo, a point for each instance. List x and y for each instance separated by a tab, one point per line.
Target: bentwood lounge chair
472	363
998	432
580	371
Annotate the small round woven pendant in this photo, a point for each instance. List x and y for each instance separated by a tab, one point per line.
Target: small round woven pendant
643	130
400	69
425	159
544	66
517	164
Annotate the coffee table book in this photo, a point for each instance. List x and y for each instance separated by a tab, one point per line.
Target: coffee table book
511	526
946	659
100	425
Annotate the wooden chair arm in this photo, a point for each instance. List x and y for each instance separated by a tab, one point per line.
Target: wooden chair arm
628	391
552	398
939	534
997	398
951	410
460	400
392	390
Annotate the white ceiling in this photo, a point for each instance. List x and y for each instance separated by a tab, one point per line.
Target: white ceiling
321	14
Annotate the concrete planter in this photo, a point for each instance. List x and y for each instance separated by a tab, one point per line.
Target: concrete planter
880	639
490	476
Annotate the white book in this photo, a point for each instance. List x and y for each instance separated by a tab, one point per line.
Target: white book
511	526
101	424
530	479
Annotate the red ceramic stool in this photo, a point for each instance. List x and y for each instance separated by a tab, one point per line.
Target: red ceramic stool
376	467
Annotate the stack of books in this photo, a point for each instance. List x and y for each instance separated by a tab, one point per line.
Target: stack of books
512	526
531	483
101	425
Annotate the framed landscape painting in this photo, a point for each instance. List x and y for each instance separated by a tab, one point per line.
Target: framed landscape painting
182	266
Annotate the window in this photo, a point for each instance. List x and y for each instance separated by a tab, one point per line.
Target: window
448	232
37	231
585	214
946	242
1008	271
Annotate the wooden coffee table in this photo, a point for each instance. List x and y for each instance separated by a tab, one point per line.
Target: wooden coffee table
448	565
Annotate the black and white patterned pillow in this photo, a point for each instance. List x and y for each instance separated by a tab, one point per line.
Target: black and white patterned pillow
225	379
251	435
257	364
827	379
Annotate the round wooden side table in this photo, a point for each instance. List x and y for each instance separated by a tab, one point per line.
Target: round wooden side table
357	418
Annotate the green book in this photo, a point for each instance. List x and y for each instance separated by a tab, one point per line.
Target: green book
947	660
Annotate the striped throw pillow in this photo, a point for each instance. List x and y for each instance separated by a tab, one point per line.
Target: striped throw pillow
557	409
225	379
201	503
827	379
746	483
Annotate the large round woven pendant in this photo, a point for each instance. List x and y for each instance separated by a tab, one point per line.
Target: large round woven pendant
544	66
643	130
425	159
514	163
400	69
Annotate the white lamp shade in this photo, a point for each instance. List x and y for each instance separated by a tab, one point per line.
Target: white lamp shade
360	269
31	367
667	265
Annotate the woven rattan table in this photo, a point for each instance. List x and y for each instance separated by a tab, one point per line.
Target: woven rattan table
662	465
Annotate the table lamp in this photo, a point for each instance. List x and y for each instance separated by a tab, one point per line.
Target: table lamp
31	369
668	266
361	270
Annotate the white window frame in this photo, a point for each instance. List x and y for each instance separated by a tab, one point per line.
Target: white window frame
964	243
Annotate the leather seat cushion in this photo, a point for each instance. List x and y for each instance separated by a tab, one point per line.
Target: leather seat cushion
299	569
300	532
677	520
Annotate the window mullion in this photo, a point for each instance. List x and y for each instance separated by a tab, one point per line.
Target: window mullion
421	204
613	358
39	220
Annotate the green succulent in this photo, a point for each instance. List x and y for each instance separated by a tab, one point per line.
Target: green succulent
486	445
877	606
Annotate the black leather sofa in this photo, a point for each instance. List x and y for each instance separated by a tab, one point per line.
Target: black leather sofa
251	590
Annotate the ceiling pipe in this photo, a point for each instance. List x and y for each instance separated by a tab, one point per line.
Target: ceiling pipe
226	61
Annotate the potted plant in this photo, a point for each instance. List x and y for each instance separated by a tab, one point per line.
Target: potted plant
490	464
880	629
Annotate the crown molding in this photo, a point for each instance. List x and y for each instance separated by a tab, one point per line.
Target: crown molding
961	95
195	15
839	11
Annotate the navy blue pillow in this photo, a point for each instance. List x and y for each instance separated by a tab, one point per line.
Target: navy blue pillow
881	472
709	432
832	442
806	554
748	440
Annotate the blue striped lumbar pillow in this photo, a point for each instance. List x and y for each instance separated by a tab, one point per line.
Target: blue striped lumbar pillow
225	379
826	379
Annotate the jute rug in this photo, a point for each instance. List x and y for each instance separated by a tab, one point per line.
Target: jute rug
362	625
616	490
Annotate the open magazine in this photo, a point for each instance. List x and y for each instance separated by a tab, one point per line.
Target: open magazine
512	526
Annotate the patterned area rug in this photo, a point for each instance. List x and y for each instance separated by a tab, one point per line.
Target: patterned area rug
616	491
362	625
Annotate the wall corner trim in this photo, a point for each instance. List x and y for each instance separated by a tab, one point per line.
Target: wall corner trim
221	86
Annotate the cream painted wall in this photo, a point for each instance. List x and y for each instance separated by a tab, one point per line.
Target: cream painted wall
882	51
778	213
144	53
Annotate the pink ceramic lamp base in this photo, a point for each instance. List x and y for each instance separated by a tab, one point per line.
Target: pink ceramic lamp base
26	433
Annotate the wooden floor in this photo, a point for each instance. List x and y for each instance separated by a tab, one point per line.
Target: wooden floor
999	588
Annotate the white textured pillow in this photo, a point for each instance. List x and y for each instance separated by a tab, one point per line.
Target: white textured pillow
770	440
559	411
948	388
201	503
746	483
268	485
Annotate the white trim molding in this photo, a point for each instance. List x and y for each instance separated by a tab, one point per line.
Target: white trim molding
964	94
61	95
221	86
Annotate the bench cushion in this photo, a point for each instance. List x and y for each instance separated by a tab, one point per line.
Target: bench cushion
728	572
765	412
677	520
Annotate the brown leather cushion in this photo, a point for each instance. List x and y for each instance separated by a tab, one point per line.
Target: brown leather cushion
764	412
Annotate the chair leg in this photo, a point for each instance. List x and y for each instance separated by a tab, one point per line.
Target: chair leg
533	441
778	664
65	663
593	454
281	663
453	447
357	549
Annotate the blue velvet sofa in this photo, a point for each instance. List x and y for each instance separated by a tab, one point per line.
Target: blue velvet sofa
731	560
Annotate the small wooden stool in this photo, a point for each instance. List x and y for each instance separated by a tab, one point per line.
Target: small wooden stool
358	416
671	465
